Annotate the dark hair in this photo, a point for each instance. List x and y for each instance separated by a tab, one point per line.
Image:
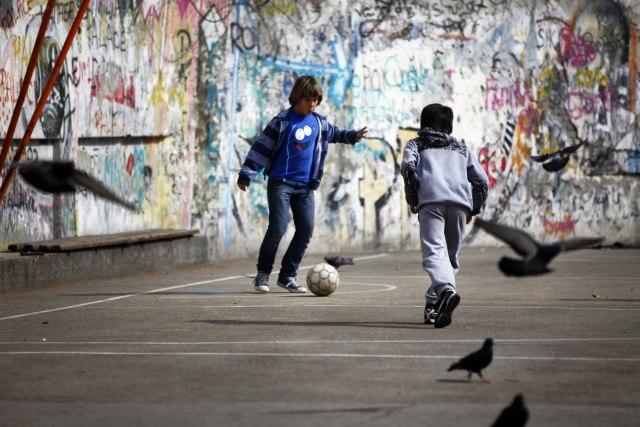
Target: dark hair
437	117
305	86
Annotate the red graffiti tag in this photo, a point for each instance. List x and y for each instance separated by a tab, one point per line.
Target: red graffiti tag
492	166
130	164
559	228
577	50
125	95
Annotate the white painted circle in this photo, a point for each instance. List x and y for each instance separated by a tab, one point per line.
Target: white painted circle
385	288
300	134
307	130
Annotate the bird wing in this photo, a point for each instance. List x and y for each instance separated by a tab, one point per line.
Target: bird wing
512	267
332	261
519	241
47	176
543	157
475	361
571	148
85	180
556	164
562	153
514	415
338	261
579	243
346	260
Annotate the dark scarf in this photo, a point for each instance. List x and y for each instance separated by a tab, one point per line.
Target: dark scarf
429	138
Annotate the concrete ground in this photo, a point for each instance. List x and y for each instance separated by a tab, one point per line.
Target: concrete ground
196	346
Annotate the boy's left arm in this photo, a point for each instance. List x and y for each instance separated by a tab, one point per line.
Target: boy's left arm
479	183
409	174
344	136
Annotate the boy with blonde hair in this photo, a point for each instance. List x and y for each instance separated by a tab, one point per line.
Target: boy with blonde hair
292	149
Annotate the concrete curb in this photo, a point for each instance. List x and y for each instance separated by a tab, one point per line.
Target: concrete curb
31	271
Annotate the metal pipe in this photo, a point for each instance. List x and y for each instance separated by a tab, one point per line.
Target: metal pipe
45	95
8	140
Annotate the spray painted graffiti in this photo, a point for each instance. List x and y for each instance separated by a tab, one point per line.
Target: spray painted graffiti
161	98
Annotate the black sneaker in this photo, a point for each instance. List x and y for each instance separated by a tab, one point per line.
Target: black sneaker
448	302
429	314
261	283
292	285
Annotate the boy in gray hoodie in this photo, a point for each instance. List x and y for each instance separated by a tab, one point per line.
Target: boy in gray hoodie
446	187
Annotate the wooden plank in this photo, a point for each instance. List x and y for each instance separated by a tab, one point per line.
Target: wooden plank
103	240
54	242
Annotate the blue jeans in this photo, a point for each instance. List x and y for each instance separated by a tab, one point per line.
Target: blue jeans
282	195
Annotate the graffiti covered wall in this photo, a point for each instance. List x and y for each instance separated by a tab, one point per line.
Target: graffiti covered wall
121	109
162	98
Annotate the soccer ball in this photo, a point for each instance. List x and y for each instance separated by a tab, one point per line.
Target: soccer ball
322	279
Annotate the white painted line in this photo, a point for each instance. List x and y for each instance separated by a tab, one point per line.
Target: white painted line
117	298
402	276
120	297
362	258
386	288
426	277
232	294
557	307
271	342
162	307
155	290
323	355
600	279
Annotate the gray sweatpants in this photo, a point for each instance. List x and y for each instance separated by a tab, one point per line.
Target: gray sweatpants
441	233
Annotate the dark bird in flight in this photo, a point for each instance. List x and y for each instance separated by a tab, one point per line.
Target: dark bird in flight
63	177
476	361
536	256
514	415
338	261
553	162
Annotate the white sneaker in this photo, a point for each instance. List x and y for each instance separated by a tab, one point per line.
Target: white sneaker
261	283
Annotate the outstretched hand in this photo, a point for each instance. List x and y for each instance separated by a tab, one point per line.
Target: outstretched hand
361	133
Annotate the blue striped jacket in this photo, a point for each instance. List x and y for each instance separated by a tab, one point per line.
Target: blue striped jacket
270	141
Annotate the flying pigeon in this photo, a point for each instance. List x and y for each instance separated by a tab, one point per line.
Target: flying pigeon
514	415
338	261
553	162
63	177
535	255
476	361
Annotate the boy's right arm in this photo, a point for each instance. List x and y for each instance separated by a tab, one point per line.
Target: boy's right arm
259	154
409	174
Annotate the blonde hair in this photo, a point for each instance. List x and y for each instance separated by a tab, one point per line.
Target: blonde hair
305	86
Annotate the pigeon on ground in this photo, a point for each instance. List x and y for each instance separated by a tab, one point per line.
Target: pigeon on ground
63	177
514	415
535	255
338	261
476	361
553	162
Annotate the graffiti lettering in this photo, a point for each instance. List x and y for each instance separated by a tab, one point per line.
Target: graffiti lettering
576	50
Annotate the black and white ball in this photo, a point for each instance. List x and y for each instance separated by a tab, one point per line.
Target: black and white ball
323	279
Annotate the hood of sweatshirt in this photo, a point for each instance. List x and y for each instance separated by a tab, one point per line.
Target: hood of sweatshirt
431	138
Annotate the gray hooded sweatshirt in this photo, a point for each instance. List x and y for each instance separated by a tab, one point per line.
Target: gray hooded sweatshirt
437	168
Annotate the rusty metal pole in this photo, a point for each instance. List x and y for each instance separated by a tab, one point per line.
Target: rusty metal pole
8	140
45	95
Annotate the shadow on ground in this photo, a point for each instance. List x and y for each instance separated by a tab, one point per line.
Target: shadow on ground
404	325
